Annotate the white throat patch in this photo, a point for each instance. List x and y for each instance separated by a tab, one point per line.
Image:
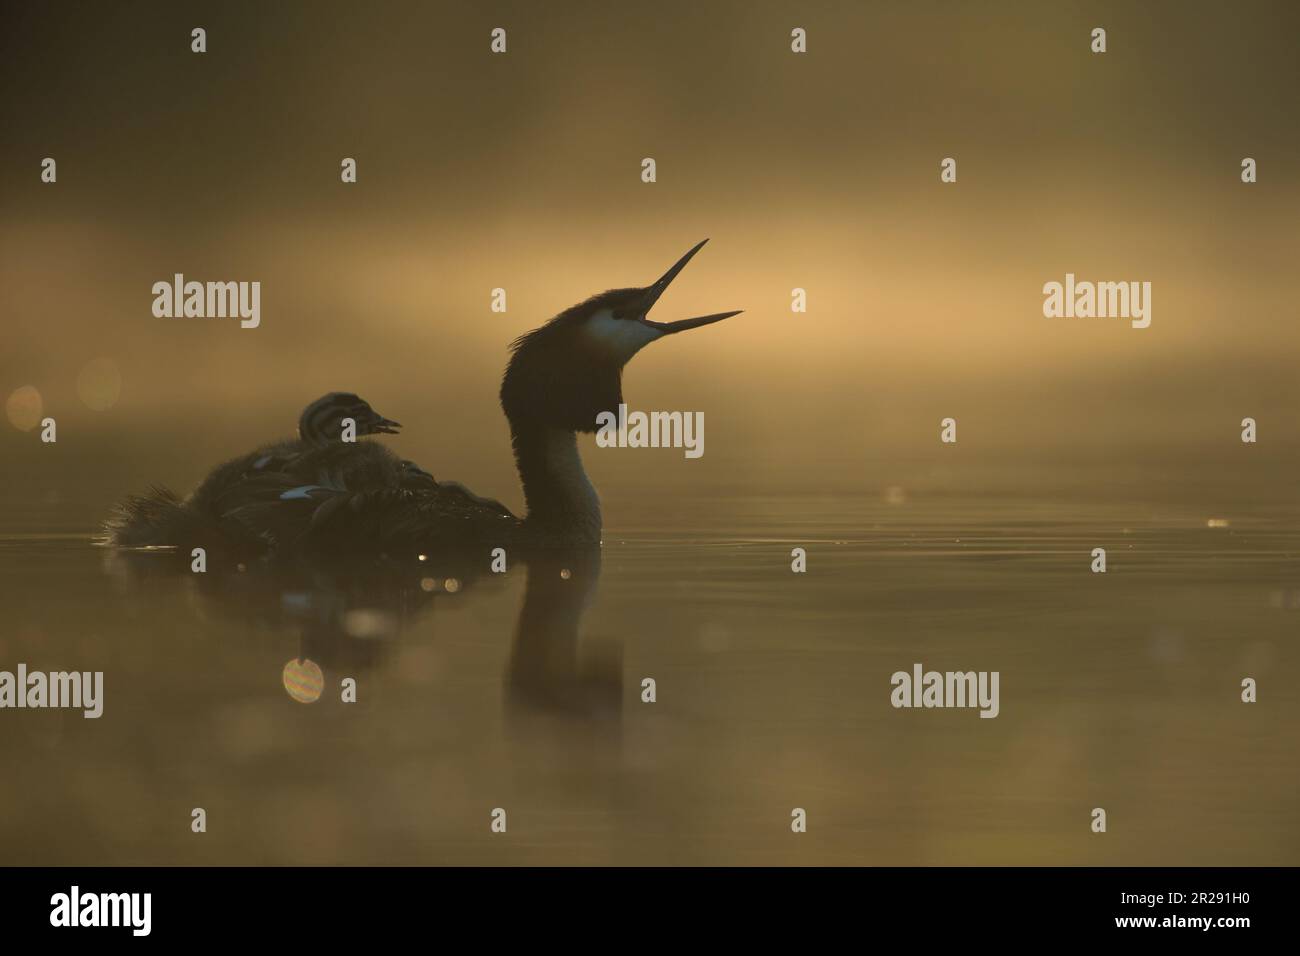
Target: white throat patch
621	337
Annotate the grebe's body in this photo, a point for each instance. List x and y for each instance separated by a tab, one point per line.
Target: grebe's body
326	492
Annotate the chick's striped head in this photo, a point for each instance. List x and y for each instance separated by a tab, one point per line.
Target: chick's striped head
324	420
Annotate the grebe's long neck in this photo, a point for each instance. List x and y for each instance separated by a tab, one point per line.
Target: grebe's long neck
562	504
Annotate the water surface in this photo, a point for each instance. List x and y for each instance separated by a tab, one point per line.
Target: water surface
523	691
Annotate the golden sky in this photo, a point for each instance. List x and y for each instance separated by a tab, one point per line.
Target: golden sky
521	171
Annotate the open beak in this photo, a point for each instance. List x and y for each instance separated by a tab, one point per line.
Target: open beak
653	293
386	426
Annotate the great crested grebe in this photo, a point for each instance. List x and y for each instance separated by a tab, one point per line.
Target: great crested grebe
322	494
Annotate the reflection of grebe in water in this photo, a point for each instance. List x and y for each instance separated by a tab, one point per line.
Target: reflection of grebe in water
547	669
320	496
347	615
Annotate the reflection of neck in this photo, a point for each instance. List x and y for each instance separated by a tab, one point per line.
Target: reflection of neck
562	504
561	583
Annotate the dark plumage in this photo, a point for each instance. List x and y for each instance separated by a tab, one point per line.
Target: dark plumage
319	493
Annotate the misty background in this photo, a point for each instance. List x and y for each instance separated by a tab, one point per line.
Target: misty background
522	171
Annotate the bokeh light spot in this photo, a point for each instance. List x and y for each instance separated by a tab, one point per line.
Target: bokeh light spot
24	408
303	680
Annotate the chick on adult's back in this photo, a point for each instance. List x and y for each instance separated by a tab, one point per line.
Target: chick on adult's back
328	493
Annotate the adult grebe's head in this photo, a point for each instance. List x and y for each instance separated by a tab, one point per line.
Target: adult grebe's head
322	420
567	372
